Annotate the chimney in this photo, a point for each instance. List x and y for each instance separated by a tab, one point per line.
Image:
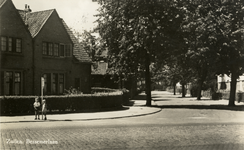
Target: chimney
27	10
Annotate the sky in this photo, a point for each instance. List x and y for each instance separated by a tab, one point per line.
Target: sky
78	14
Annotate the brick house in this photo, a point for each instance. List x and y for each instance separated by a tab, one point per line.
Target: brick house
48	49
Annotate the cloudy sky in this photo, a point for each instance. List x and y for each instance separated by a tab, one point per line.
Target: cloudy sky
78	14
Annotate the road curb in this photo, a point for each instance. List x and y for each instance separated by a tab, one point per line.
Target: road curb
56	120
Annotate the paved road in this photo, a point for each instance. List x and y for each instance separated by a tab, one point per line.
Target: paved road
172	128
104	135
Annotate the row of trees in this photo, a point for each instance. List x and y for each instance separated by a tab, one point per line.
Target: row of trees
183	39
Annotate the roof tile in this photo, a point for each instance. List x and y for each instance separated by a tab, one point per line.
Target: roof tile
78	51
35	20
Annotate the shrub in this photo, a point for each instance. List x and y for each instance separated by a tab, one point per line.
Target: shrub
103	90
79	102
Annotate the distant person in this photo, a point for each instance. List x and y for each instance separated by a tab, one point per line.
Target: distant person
37	108
44	109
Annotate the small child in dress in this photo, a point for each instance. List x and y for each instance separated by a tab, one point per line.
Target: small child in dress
44	109
37	108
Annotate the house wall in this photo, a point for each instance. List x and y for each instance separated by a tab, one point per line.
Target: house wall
11	25
227	81
82	72
54	31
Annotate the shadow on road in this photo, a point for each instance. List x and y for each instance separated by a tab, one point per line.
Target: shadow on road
217	107
71	111
167	100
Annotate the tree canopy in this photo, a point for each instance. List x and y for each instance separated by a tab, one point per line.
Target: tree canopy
197	38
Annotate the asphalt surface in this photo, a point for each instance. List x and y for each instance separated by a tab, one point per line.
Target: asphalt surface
202	127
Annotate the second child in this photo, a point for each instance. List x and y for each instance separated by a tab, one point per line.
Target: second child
37	108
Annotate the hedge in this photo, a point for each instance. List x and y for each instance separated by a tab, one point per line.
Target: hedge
103	90
24	104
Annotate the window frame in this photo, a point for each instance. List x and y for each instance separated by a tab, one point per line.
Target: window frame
12	84
62	51
56	50
10	46
44	48
18	46
4	49
68	50
50	49
15	45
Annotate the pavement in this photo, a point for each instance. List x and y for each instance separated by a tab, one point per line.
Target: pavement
129	111
161	99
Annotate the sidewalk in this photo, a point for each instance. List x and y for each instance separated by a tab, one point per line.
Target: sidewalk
128	112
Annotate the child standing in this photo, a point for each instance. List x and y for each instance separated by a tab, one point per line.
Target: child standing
44	109
37	108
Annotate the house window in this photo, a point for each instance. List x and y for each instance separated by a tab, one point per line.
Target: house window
11	83
61	83
56	51
3	43
68	50
61	50
50	49
10	44
17	83
18	45
44	48
47	83
55	84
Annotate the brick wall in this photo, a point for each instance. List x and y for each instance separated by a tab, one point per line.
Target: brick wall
11	25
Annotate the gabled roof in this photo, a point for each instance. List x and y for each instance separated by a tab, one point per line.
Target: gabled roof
35	20
78	51
2	2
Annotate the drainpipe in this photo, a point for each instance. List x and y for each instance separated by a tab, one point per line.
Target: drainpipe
33	65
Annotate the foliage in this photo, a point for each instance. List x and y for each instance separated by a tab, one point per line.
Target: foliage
138	33
195	39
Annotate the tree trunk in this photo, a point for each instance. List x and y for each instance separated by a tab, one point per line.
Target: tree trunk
199	90
203	76
183	90
148	81
232	98
174	88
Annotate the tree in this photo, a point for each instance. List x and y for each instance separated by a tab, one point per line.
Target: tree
216	29
230	35
201	54
139	32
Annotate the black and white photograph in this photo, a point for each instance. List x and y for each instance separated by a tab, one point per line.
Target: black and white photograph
122	74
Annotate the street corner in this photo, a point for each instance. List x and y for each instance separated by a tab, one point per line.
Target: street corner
143	110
